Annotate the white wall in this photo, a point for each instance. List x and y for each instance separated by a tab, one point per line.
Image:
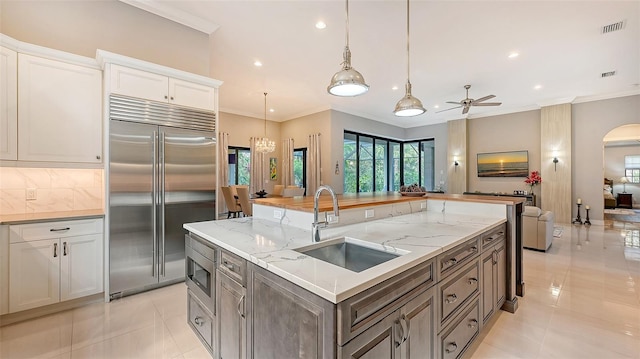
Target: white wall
512	132
591	122
81	27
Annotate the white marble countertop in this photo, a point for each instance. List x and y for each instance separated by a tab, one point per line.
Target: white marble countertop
271	245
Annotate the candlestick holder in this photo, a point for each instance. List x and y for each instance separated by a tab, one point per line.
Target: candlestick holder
587	222
578	220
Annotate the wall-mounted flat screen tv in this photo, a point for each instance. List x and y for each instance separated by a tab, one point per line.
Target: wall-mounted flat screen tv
503	164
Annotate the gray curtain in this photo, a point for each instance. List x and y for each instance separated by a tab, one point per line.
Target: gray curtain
287	162
257	167
314	165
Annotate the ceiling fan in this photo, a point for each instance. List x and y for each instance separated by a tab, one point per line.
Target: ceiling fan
468	102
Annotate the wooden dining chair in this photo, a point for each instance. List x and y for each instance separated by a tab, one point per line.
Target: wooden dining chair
245	203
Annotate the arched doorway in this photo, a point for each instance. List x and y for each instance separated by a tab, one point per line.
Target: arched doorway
621	163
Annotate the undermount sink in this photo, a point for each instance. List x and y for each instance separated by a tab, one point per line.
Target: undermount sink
349	253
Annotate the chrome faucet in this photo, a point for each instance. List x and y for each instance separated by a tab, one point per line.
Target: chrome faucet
315	226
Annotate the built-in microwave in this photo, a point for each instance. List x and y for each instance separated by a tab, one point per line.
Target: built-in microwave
201	270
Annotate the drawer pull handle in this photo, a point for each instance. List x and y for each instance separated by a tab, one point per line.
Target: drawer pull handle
59	229
473	280
241	306
474	248
473	324
199	321
451	347
451	298
451	262
228	265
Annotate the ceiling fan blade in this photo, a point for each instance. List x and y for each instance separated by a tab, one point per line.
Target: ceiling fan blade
484	98
487	104
454	103
465	110
453	108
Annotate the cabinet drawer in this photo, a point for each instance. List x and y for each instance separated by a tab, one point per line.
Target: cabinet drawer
59	229
493	236
363	310
457	257
459	335
458	290
201	321
233	266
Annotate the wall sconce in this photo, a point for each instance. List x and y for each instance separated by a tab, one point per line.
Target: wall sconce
337	168
555	163
455	164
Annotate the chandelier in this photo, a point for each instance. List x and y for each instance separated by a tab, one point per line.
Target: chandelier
263	144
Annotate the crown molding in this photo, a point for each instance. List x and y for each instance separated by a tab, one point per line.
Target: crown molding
175	15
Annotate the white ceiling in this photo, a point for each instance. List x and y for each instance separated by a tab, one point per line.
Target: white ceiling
560	44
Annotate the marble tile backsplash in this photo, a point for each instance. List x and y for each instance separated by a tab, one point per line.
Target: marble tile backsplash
57	189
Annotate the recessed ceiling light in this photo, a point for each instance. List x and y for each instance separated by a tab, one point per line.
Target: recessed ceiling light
436	106
513	55
537	87
394	88
321	25
257	63
272	110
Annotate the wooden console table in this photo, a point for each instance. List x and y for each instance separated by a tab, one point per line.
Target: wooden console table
625	200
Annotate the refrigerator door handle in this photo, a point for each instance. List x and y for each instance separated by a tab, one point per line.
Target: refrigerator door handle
162	204
154	202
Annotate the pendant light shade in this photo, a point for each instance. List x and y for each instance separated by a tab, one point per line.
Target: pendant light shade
408	105
263	144
348	81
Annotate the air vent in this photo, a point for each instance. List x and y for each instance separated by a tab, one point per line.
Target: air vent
608	74
613	27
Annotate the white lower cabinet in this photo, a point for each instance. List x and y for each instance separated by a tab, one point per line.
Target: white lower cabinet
54	261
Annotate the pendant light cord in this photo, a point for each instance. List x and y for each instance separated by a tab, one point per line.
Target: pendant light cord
408	58
265	115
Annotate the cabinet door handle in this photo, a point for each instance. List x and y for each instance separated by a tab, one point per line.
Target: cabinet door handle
199	321
473	324
165	97
451	347
240	305
495	257
59	229
405	328
64	248
171	98
399	336
55	250
451	298
473	280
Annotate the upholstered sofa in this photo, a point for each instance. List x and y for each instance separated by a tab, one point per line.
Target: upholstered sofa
537	228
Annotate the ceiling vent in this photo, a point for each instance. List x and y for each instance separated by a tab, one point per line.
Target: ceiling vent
613	27
608	74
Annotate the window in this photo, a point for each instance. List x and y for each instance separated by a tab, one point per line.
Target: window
373	164
632	168
300	167
239	166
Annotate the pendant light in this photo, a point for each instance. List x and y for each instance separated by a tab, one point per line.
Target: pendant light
263	144
348	81
408	105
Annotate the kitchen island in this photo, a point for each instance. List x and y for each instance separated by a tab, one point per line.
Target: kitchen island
447	277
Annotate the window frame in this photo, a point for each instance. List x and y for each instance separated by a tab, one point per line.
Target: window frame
632	168
304	166
236	150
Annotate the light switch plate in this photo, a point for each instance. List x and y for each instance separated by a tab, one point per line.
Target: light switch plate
332	218
277	214
32	194
423	205
368	213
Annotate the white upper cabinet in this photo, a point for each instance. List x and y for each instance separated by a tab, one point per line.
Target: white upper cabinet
60	111
8	104
147	85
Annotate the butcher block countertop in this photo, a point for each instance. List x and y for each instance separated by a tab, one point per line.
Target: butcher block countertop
349	201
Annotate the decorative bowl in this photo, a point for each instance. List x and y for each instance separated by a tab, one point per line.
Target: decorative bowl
413	194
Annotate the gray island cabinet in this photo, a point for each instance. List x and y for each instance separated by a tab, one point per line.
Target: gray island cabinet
433	309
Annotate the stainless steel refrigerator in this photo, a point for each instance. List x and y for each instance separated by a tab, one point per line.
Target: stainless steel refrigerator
162	173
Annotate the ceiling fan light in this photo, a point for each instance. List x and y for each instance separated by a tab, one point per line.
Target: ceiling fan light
408	105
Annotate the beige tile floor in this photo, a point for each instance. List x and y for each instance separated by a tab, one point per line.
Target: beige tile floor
582	301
